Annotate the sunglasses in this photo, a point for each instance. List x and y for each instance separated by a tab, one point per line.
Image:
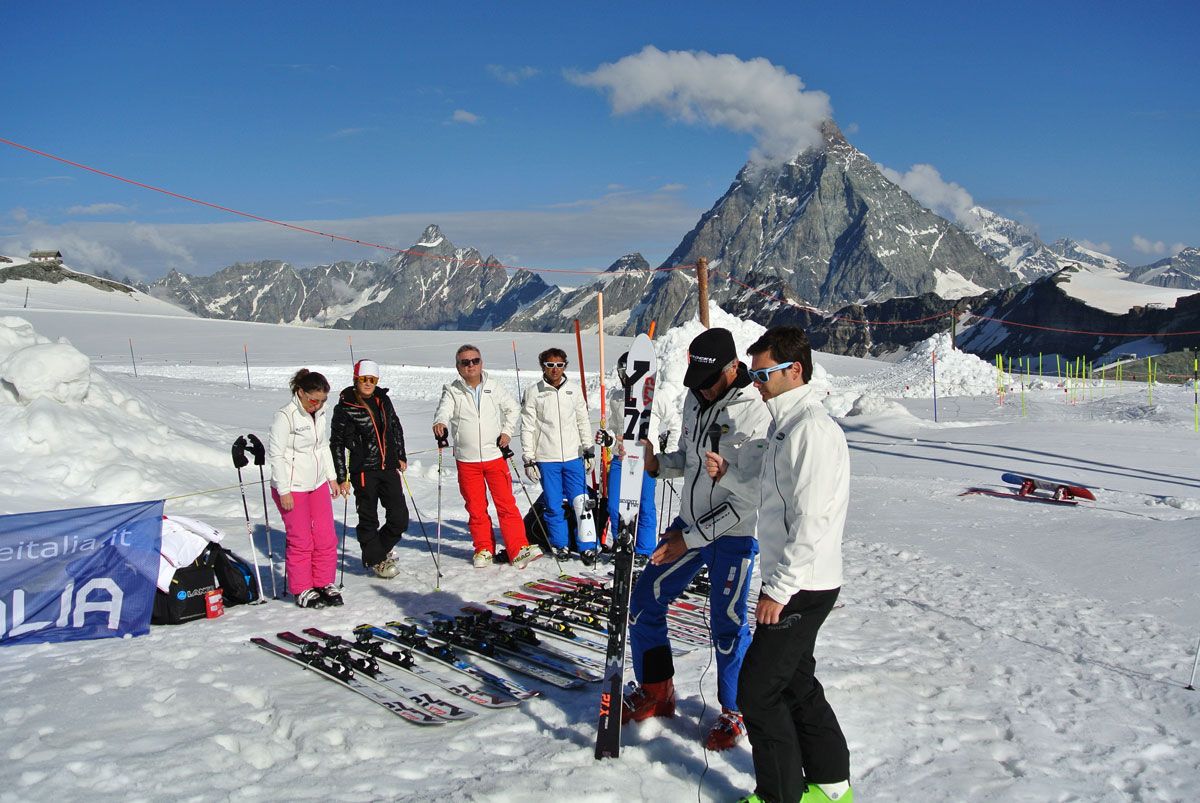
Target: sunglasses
554	365
470	361
312	399
761	375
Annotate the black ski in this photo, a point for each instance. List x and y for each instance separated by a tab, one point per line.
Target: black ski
407	636
366	666
342	675
402	659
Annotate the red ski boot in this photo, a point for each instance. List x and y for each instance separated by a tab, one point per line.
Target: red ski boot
729	729
649	700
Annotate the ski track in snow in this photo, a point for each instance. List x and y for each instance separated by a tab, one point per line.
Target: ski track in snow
987	650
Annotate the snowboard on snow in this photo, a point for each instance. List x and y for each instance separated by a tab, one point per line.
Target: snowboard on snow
1035	489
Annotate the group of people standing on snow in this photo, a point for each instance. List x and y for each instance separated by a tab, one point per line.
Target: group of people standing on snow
765	475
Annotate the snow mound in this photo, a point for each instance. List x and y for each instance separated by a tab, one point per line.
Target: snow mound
874	405
80	438
958	373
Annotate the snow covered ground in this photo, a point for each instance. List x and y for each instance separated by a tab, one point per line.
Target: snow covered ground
989	649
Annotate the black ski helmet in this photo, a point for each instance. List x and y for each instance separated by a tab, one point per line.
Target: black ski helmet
622	361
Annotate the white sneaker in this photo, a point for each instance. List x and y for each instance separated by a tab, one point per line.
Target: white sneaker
482	559
386	568
526	555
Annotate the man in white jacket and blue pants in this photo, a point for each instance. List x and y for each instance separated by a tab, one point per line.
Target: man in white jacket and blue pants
798	747
556	436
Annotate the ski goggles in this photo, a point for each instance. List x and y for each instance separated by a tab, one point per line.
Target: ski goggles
554	365
761	375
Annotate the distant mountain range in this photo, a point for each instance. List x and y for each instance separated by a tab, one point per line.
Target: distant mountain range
793	242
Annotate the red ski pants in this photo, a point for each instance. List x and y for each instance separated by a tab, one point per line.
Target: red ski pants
311	555
475	480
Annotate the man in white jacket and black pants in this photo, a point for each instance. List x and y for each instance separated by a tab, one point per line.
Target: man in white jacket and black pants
798	747
481	415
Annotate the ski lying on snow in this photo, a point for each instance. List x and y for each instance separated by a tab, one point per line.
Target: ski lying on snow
407	636
344	676
505	644
517	625
367	644
485	649
365	666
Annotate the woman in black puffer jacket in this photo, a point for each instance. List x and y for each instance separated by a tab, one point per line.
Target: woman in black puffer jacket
365	423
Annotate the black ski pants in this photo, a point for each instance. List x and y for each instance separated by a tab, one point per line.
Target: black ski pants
794	735
372	488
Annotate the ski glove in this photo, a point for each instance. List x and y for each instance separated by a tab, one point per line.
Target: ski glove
531	471
589	457
604	438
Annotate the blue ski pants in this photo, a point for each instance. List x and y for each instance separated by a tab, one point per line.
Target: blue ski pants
647	523
564	481
730	562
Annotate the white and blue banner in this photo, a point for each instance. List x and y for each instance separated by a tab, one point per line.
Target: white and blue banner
67	575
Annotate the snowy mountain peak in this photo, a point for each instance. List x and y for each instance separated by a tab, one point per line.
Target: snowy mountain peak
431	237
633	261
1180	271
1075	252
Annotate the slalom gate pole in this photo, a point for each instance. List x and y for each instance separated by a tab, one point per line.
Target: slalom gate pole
342	556
604	455
350	342
583	385
1196	392
246	354
420	519
517	366
239	460
1192	682
508	453
131	357
260	459
935	387
442	443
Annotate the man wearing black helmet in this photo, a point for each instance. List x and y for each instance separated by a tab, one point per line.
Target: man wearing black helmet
715	528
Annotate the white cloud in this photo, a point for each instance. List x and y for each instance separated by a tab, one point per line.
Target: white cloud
1102	247
755	96
19	214
97	209
1143	245
464	116
588	233
925	183
511	75
673	187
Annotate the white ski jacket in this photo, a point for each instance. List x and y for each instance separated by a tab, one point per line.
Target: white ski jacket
730	507
298	449
475	426
805	494
555	426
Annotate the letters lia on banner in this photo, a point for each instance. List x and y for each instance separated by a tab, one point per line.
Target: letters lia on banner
67	575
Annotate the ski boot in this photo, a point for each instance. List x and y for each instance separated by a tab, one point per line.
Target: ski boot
728	730
526	555
331	596
649	700
828	792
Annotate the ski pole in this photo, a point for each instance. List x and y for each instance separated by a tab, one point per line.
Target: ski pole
442	442
428	545
342	558
260	459
517	366
508	454
240	460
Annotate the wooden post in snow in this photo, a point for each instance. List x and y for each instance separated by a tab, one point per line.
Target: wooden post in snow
702	280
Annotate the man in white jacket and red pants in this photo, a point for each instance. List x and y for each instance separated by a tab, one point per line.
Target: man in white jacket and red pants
482	415
798	747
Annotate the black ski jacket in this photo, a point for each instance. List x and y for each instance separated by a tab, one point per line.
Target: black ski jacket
371	432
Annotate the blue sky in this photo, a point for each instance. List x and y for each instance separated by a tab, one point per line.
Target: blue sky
375	119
